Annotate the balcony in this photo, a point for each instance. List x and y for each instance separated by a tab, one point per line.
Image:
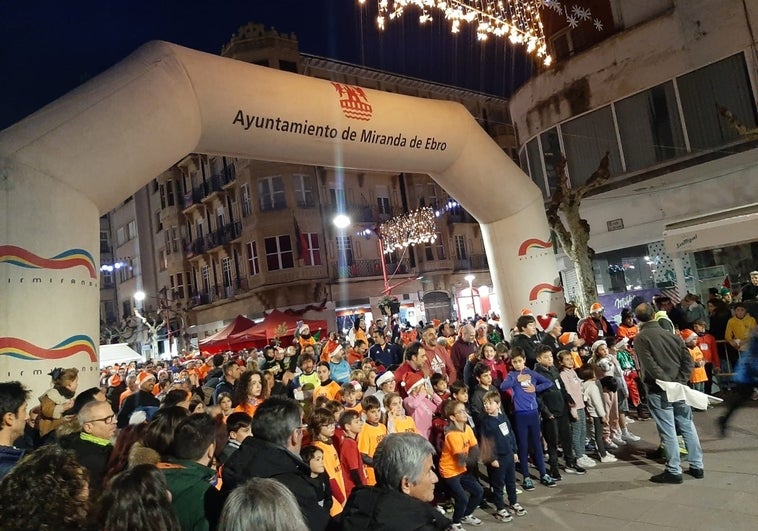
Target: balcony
195	248
459	215
365	213
219	292
475	262
428	266
368	268
191	198
224	235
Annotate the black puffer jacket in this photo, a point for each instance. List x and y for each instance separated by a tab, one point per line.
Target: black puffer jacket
383	509
257	458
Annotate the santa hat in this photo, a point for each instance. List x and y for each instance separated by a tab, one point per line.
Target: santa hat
526	311
411	381
567	338
114	381
596	308
144	376
384	378
547	322
622	343
688	335
597	345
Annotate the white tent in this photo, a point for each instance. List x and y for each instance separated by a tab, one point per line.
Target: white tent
117	353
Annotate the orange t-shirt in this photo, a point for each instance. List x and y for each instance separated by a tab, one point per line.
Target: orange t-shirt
331	391
124	396
368	439
333	469
456	442
248	408
402	425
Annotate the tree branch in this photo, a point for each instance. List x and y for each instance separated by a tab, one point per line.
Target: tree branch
597	179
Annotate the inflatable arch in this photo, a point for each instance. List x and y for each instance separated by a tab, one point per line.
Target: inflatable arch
75	159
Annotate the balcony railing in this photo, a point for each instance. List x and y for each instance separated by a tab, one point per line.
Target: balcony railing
220	291
224	235
365	213
190	198
368	268
473	262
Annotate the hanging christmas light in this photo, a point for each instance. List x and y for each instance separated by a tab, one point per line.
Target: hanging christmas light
413	228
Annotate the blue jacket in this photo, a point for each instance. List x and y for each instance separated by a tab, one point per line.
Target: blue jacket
9	456
491	429
524	402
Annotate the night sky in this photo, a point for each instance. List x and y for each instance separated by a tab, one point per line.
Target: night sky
48	47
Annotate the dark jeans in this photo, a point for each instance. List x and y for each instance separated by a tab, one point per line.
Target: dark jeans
553	430
467	493
503	476
527	428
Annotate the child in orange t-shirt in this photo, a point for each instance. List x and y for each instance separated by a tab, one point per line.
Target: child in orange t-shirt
707	345
698	376
371	435
397	420
321	425
327	387
459	448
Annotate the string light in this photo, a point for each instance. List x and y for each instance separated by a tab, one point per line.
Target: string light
518	21
409	229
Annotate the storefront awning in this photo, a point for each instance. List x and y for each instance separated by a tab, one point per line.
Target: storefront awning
117	353
721	229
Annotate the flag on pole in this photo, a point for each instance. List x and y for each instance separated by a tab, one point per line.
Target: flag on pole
300	242
726	282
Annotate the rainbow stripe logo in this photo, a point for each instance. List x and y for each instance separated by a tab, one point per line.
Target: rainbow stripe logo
23	350
537	290
20	257
533	243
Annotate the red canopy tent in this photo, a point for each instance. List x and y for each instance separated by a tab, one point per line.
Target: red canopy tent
231	337
264	333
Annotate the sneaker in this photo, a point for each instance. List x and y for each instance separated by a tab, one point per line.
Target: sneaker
629	436
586	461
575	469
441	509
630	420
547	480
528	484
555	474
518	490
609	458
456	527
517	509
611	445
504	515
618	439
470	519
667	477
696	473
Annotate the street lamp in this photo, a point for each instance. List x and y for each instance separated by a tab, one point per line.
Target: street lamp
470	280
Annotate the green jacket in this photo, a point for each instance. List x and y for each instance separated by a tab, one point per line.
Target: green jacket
188	483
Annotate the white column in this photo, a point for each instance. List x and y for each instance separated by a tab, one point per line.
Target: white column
681	283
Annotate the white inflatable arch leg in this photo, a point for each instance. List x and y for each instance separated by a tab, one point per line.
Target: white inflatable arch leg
76	158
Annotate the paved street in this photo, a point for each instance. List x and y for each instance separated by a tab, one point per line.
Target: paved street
619	496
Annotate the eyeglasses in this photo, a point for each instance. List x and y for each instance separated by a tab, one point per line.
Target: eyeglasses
108	420
303	427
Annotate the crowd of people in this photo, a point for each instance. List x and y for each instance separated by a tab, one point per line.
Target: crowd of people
382	427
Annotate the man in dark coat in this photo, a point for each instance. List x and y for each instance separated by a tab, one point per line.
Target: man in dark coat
665	357
273	452
405	481
141	399
92	445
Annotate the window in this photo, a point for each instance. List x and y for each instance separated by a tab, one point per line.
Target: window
205	273
304	191
175	238
158	223
177	286
460	247
649	127
586	139
344	251
439	245
271	191
226	269
535	164
121	236
311	250
383	202
106	279
162	260
104	241
131	230
247	208
167	241
337	199
220	218
127	307
279	253
723	83
551	152
253	266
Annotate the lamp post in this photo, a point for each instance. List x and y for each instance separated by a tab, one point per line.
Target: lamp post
470	280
